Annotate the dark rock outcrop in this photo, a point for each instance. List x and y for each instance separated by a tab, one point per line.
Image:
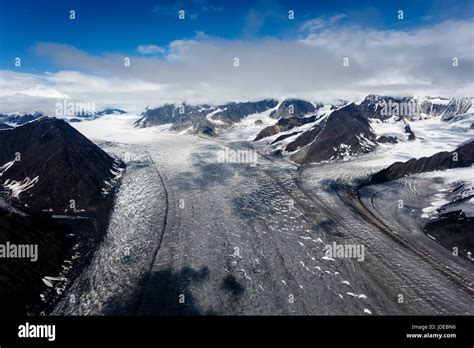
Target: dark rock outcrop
387	139
345	132
64	163
293	108
409	132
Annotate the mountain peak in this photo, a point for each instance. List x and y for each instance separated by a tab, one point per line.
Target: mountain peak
65	163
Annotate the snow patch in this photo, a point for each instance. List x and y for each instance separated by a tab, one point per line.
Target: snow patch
17	187
5	167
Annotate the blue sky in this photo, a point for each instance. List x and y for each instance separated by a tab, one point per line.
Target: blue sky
122	25
192	60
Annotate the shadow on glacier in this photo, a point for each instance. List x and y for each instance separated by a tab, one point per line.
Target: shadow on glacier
162	294
205	175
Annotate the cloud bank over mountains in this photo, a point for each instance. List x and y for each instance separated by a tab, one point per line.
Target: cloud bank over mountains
202	69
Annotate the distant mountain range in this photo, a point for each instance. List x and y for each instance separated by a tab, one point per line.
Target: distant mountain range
94	115
204	118
309	132
304	131
20	118
328	132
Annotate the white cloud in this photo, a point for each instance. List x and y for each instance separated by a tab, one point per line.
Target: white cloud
32	92
150	49
201	69
321	22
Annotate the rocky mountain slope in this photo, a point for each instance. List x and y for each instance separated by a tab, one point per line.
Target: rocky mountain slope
47	163
330	132
345	132
463	156
55	193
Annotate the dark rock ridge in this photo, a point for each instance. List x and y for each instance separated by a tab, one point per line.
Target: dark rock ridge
66	164
463	156
345	132
207	119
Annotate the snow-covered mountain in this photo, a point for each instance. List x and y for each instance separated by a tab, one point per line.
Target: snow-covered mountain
463	156
298	108
344	132
206	119
19	118
93	115
412	108
331	132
